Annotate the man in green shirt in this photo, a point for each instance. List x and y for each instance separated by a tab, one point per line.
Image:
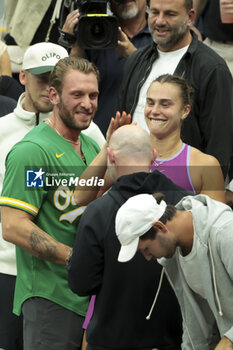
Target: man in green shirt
39	213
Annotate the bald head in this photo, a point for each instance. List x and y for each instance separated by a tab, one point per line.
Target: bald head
132	144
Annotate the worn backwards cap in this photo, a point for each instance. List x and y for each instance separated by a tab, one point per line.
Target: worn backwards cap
42	57
134	218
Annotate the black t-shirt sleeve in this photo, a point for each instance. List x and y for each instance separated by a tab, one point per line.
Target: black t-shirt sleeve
7	105
10	87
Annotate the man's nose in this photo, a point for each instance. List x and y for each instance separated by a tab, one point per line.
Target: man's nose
147	256
86	102
160	19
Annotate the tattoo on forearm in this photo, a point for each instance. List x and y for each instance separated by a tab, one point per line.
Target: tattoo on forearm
43	248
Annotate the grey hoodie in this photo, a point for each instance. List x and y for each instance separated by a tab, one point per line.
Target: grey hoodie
213	227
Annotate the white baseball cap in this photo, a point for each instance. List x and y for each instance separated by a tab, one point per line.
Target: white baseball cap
42	57
134	218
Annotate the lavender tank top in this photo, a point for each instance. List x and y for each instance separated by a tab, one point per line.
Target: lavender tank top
177	168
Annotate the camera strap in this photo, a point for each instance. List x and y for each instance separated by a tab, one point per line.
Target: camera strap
55	15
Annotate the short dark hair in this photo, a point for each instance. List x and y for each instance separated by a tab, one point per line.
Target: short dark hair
188	4
187	92
168	215
66	64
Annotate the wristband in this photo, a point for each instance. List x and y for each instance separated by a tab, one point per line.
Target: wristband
66	39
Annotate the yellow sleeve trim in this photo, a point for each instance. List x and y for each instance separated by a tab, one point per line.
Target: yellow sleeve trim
12	202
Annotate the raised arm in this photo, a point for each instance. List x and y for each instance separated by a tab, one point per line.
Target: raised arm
83	195
68	27
98	167
18	228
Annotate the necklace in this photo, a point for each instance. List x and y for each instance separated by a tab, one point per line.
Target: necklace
71	141
157	164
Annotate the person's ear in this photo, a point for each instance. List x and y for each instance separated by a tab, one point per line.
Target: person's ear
111	155
186	111
22	77
191	17
53	95
160	226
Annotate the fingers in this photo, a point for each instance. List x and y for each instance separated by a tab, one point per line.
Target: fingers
121	35
71	21
122	38
115	123
124	46
122	119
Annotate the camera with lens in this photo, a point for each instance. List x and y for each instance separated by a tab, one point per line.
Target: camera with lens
96	29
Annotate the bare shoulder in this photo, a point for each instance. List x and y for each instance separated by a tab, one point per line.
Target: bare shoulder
207	174
199	158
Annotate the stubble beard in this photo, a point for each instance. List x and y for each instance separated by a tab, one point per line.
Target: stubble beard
69	120
39	107
128	13
176	36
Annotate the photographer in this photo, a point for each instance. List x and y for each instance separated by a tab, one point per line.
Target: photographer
133	33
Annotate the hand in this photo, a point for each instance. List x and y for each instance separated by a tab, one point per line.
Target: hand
68	27
224	344
124	45
71	21
115	123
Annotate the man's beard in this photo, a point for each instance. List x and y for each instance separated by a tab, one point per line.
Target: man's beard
127	13
39	107
68	118
177	34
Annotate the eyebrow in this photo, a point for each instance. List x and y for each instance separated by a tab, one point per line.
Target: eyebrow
165	11
171	11
166	100
160	100
80	91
